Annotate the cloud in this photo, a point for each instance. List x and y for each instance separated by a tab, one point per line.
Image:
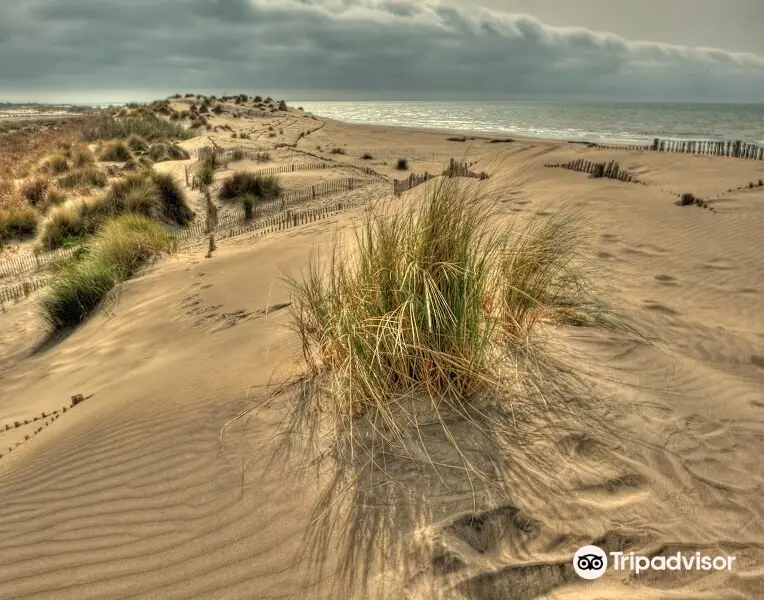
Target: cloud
393	47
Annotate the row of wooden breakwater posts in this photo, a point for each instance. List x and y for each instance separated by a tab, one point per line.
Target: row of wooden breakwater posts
454	169
732	149
735	149
609	170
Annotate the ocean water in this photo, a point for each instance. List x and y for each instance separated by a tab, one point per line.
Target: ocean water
616	122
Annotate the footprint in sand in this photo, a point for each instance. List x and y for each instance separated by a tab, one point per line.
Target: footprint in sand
667	280
654	306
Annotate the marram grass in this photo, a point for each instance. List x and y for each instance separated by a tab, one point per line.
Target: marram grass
81	285
437	301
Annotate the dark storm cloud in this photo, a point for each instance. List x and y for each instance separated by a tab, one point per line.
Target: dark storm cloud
372	45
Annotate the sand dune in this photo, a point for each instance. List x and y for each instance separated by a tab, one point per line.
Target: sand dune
161	484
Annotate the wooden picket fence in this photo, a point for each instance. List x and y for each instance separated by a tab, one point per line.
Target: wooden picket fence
281	221
455	169
229	228
21	290
30	263
610	170
458	168
236	215
403	185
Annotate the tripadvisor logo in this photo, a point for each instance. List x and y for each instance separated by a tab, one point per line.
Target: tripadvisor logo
591	562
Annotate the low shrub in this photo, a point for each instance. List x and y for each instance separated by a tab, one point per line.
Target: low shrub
206	173
148	126
17	220
366	156
244	183
54	197
402	164
434	305
164	150
115	152
120	249
55	165
81	156
136	143
64	227
83	178
34	190
172	199
337	151
249	202
136	193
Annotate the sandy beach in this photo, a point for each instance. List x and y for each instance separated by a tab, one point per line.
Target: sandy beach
166	481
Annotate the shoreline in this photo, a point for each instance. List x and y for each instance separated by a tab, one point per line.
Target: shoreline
583	135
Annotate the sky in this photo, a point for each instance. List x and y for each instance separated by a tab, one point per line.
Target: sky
608	50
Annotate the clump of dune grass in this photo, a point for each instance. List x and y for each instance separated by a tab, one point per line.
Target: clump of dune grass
436	302
145	125
337	151
255	184
18	220
83	178
81	156
172	199
164	150
366	156
135	193
116	152
55	165
34	190
64	227
118	251
136	143
53	197
402	164
249	202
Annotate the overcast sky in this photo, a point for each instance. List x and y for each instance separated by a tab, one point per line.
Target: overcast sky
88	50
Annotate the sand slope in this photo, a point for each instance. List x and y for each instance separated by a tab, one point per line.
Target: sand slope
143	492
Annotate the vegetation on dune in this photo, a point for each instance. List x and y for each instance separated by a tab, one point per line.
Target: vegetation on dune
366	156
435	302
81	156
55	165
136	143
35	190
83	178
172	199
145	125
337	151
242	183
164	150
153	195
17	219
249	202
402	164
120	249
64	227
116	151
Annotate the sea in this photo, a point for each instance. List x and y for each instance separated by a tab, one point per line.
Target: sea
595	122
